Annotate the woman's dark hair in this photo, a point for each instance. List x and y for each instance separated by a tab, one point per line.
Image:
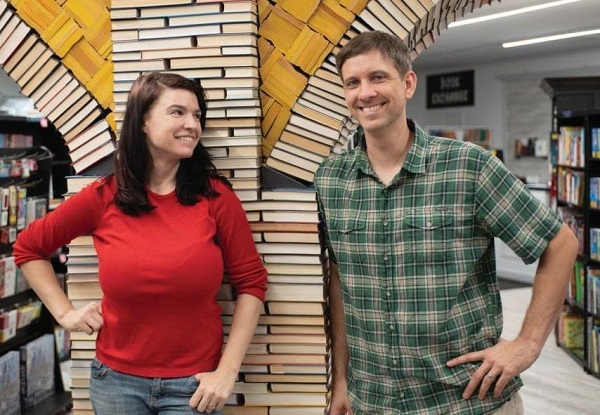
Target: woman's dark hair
133	162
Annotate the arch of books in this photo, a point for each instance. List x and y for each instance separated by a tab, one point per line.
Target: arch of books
274	100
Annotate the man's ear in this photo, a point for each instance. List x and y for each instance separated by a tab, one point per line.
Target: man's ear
410	82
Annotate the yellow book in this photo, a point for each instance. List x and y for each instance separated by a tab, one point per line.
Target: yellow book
302	10
331	20
86	14
63	34
355	6
281	28
83	60
100	85
36	17
279	124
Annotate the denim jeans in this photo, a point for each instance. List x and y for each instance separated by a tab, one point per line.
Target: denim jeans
115	393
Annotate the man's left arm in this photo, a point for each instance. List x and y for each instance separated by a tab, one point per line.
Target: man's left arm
508	359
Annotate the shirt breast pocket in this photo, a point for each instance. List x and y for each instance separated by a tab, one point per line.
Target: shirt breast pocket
349	238
429	235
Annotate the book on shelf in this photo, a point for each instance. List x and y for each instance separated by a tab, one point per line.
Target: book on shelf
246	410
290	216
295	292
76	183
304	330
95	156
299	387
90	133
13	41
30	63
298	369
285	399
292	259
291	237
284	378
84	290
295	410
306	227
10	384
18	53
91	145
295	308
37	370
296	279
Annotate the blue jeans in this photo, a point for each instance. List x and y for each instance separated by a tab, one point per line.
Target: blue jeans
115	393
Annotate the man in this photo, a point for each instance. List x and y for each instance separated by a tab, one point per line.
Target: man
409	222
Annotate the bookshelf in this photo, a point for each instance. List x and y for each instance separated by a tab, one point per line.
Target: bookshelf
25	190
575	163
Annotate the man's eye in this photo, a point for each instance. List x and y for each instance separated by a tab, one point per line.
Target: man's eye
379	78
351	84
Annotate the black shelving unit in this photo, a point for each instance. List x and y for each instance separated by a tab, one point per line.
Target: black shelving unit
576	103
38	182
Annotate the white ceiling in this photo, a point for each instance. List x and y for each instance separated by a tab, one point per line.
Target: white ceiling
482	42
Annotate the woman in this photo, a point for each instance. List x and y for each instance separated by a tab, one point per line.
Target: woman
165	227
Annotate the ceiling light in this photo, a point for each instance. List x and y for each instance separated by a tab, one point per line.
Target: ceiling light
510	13
550	38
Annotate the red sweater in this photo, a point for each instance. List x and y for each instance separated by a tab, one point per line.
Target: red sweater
159	274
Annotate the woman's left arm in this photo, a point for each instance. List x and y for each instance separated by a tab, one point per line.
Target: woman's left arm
248	278
215	387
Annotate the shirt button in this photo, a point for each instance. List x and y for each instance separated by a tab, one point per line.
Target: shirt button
394	362
388	294
402	394
385	257
385	222
391	327
429	224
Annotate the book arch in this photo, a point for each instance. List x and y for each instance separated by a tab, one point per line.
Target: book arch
275	107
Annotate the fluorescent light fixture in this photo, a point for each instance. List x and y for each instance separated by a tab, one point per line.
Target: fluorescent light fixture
510	13
550	38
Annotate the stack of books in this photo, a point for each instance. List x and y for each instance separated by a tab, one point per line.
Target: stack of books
214	42
61	60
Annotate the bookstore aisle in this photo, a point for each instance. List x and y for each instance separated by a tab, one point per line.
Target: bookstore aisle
555	384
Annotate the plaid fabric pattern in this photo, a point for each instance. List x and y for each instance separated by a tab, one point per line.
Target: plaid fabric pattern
417	266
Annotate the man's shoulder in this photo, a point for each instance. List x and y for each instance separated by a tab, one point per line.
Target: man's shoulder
336	163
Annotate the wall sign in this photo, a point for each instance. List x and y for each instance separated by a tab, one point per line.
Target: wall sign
451	90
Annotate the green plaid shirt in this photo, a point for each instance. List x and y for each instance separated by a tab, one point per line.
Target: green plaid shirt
417	268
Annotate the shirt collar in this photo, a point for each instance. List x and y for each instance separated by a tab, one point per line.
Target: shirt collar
415	159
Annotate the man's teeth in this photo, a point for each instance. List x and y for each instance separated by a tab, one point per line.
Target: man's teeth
372	108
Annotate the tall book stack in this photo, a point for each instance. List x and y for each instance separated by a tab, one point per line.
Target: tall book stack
60	59
82	288
284	371
214	42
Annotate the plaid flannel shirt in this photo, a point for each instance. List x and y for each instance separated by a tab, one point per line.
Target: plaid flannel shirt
417	268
